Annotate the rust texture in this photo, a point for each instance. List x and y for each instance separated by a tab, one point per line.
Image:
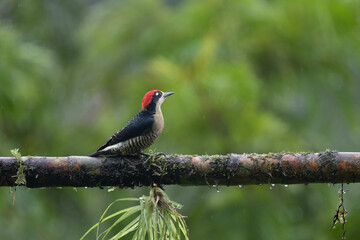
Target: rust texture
231	169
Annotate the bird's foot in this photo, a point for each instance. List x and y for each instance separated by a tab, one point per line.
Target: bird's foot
144	154
152	156
160	154
141	152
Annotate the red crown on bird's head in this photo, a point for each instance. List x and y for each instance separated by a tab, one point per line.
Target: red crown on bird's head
148	97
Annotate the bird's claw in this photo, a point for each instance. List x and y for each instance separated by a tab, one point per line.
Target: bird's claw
160	154
144	154
152	156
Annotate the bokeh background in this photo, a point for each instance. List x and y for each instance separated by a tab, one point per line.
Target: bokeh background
249	76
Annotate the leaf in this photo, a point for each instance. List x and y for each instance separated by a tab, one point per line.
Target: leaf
102	219
126	230
127	214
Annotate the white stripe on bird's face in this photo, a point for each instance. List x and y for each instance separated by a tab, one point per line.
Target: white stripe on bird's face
160	101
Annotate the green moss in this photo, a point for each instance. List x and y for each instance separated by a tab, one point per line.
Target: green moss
20	175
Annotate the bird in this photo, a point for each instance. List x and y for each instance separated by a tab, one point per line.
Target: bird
141	131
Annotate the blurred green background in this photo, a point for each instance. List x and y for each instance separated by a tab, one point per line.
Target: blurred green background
249	76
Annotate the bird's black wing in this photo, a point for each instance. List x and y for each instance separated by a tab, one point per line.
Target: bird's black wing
140	124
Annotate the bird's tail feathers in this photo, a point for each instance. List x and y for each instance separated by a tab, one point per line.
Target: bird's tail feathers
95	154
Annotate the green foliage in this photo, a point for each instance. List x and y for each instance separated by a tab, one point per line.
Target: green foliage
248	76
158	219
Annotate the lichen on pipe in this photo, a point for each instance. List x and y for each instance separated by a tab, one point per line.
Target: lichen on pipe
230	169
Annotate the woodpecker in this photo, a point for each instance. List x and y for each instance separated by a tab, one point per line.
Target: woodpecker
141	131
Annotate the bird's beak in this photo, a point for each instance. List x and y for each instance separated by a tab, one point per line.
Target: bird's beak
168	94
